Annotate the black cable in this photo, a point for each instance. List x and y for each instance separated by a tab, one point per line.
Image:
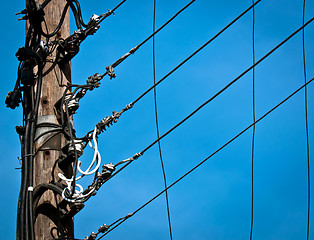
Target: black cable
77	16
64	12
25	223
45	3
254	118
210	156
30	112
30	174
307	130
157	125
80	17
78	11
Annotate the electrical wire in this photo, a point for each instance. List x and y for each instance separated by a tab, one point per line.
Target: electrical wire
31	104
307	128
111	11
29	58
197	51
210	156
110	69
157	124
188	58
215	95
228	85
254	118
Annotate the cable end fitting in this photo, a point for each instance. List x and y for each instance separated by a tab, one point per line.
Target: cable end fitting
24	11
136	156
103	228
91	237
110	72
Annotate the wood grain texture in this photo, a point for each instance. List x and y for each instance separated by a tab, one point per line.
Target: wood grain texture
48	224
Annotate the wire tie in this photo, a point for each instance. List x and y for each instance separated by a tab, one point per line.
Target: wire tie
30	189
28	155
111	12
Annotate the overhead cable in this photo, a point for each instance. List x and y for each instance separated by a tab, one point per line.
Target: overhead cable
254	118
184	61
217	94
206	159
157	125
110	69
307	128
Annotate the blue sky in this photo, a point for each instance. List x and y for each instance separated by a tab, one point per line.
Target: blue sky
214	202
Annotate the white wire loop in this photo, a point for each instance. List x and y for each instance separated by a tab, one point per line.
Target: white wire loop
78	193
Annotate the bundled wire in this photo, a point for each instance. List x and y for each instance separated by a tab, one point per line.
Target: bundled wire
27	91
30	105
137	155
157	125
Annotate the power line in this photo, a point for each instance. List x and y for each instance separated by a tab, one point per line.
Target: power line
137	155
197	51
110	69
206	159
226	87
129	106
253	134
307	129
217	94
157	124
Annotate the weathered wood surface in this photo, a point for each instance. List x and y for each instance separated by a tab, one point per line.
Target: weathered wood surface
47	224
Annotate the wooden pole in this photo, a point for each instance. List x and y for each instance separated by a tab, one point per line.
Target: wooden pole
48	223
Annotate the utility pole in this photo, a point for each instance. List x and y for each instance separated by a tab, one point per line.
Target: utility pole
48	198
47	222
